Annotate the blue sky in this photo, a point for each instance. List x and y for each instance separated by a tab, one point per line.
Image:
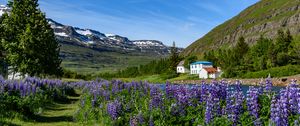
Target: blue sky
182	21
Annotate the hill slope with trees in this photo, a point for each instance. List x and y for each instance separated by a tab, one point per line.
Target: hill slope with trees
263	18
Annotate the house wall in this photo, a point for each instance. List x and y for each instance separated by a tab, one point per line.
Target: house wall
181	69
203	74
196	68
213	76
15	76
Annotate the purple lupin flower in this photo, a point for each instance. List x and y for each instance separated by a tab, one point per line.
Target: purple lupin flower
269	84
280	115
114	109
156	98
234	105
133	121
140	118
151	121
252	103
209	109
292	91
274	111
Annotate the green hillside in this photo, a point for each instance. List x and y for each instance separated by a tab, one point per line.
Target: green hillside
264	17
86	60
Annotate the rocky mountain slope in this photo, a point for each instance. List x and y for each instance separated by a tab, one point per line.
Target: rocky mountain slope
263	18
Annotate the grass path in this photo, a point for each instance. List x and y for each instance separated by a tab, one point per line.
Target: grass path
58	114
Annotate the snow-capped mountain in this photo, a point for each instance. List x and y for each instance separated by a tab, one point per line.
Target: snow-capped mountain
96	39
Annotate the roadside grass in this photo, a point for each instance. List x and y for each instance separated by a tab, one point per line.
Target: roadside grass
57	114
149	78
185	76
160	79
71	80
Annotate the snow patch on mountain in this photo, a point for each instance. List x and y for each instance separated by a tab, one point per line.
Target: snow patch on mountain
109	35
142	43
84	32
61	34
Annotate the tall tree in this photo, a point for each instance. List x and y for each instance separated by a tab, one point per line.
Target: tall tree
174	58
241	47
29	40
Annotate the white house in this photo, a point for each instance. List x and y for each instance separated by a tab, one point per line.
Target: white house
210	72
181	68
196	67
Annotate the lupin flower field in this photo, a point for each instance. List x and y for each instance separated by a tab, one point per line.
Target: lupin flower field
215	103
140	103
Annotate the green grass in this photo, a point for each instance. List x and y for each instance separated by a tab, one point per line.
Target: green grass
57	114
148	78
185	77
160	78
283	71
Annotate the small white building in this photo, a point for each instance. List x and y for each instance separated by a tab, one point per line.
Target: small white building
196	67
210	72
181	68
15	75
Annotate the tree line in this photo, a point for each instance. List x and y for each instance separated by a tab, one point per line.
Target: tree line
28	42
265	54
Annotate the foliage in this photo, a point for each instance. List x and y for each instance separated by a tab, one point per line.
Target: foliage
74	75
29	97
241	59
274	72
29	41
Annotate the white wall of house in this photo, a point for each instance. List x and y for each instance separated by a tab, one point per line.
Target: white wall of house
203	74
213	75
181	69
196	68
15	75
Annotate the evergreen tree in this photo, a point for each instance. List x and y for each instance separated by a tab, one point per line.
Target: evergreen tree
174	58
283	42
29	40
241	48
272	54
294	52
